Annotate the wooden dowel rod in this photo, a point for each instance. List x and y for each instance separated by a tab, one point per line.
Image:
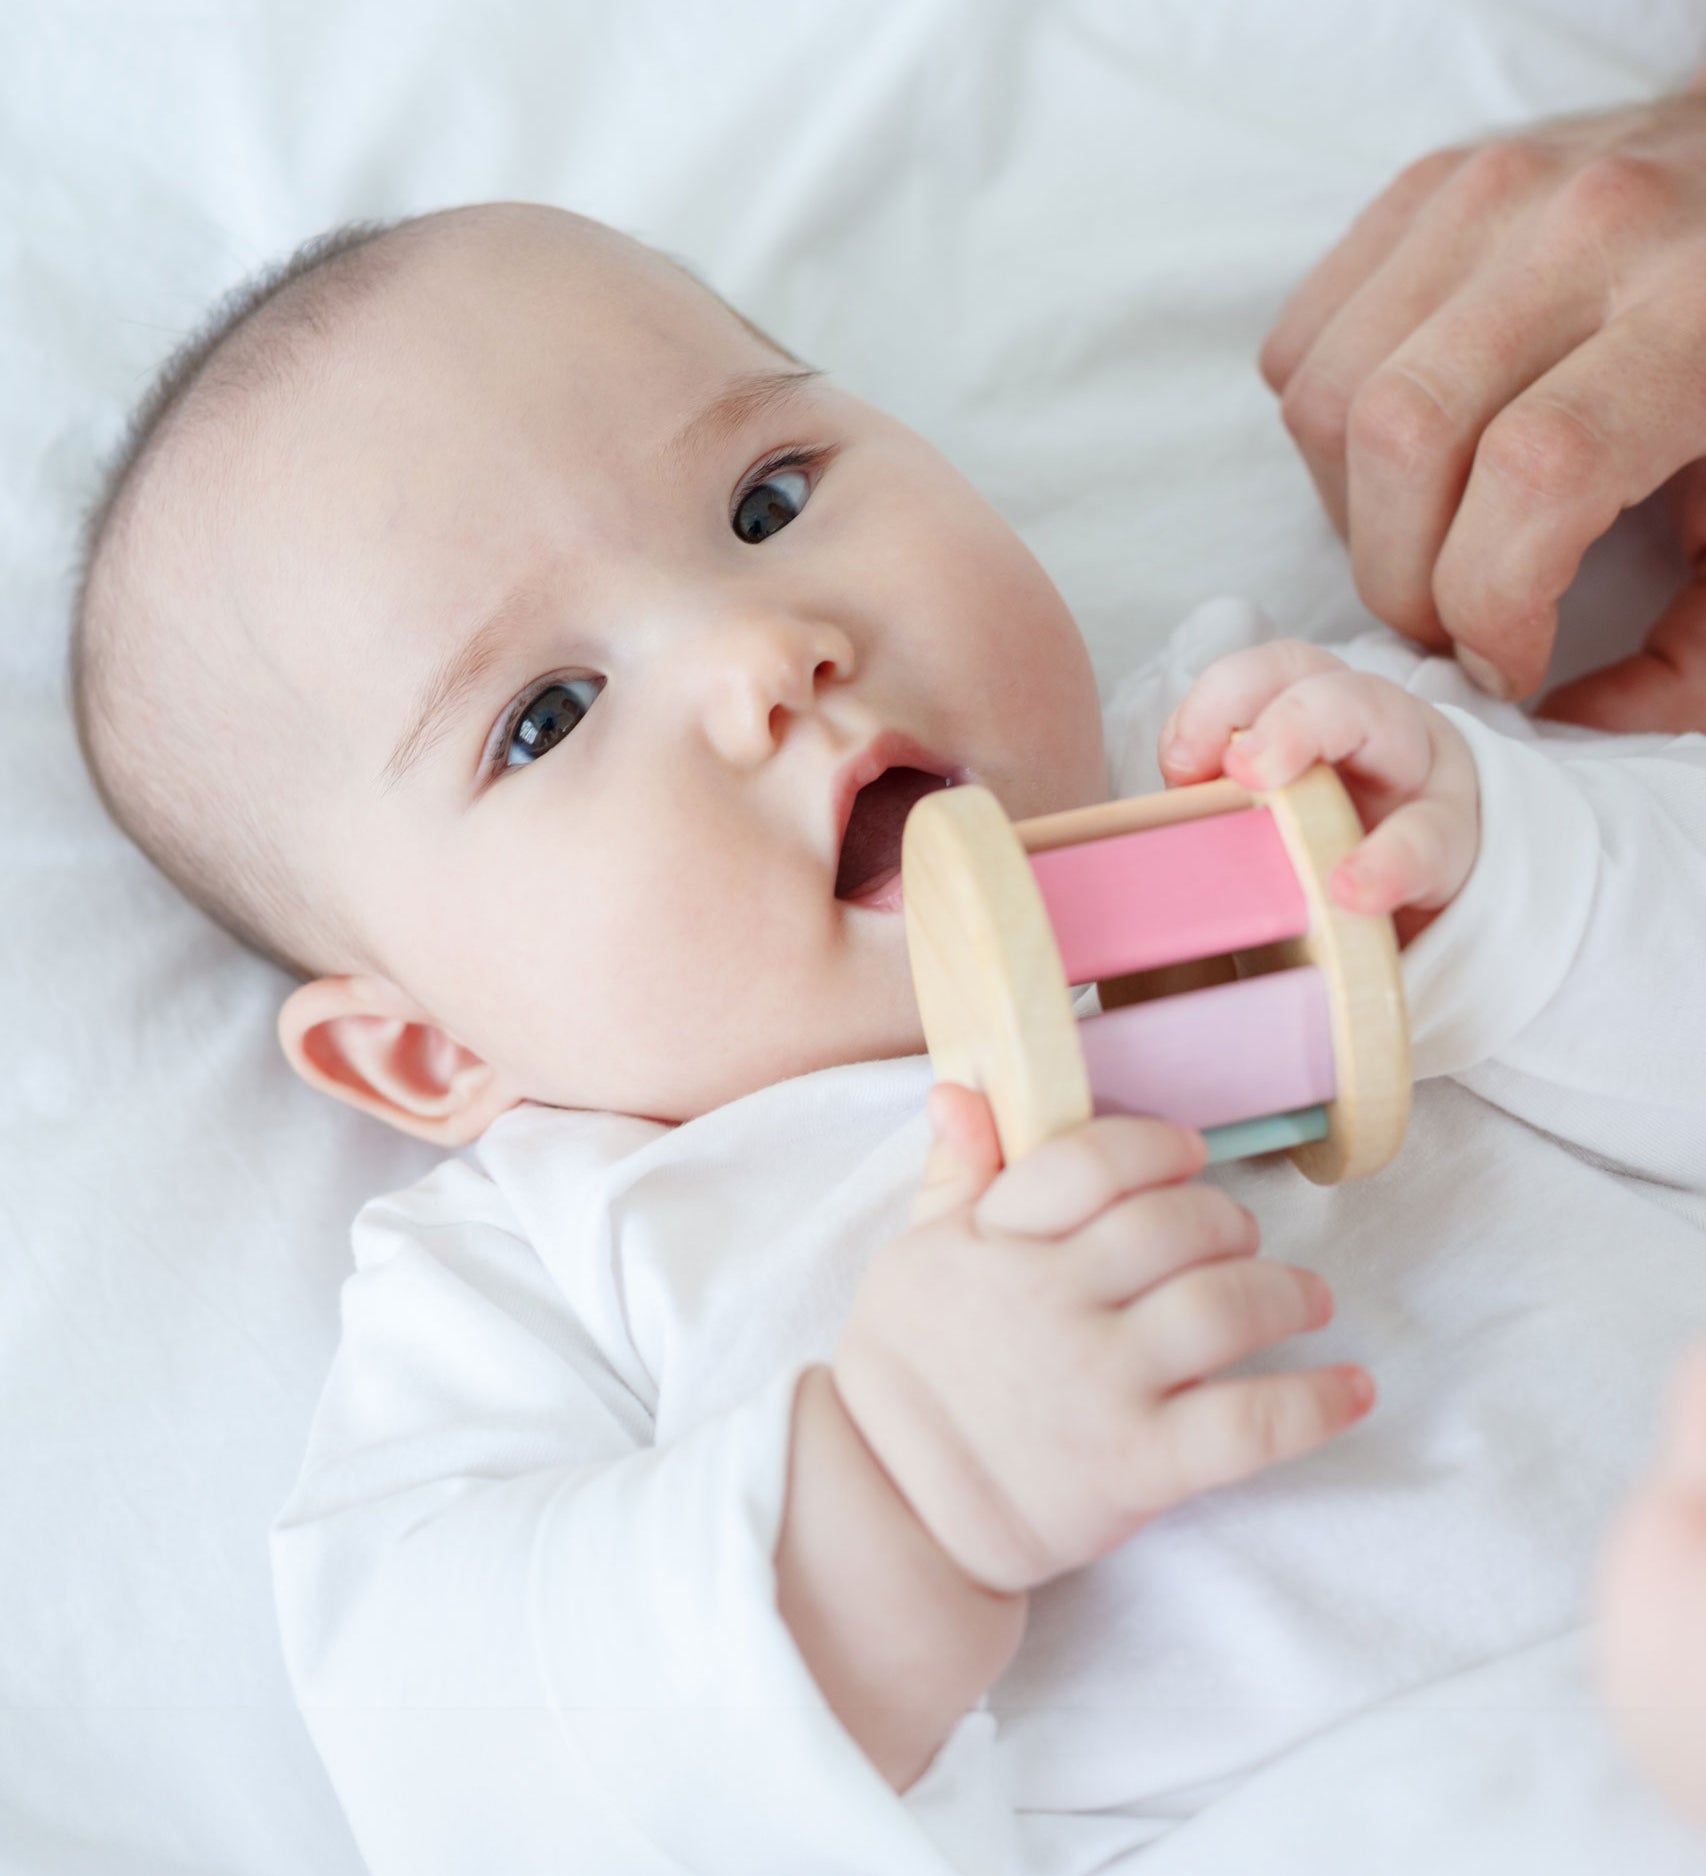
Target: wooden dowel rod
1044	831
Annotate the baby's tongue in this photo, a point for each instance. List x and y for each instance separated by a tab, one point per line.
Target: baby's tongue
870	849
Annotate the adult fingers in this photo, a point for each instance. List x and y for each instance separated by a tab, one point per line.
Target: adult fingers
1338	274
1660	687
1448	239
1065	1182
1227	1430
1594	435
1215	1314
1414	425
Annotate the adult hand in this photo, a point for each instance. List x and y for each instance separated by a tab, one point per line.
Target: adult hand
1505	351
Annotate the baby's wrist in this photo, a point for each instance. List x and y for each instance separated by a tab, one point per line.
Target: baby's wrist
899	1641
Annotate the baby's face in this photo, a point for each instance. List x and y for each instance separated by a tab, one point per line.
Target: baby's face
701	587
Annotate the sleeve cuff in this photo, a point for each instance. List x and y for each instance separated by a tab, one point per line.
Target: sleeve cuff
1487	966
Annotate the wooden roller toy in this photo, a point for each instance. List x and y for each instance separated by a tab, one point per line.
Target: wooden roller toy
1237	996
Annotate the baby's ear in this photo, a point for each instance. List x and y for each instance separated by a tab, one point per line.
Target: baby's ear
367	1042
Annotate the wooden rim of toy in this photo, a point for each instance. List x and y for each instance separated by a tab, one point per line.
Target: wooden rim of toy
991	989
1358	958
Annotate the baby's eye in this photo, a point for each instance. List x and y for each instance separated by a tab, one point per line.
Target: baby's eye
768	506
545	719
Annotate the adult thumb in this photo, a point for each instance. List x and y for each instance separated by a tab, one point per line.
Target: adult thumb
965	1154
1663	685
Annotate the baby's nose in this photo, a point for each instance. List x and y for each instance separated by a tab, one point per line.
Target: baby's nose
761	671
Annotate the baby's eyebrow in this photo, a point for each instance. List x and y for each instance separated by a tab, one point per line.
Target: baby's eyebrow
455	677
743	398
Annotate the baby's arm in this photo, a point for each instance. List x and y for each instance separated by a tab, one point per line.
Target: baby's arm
526	1637
1559	978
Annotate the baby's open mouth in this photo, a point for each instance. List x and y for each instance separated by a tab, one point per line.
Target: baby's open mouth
870	848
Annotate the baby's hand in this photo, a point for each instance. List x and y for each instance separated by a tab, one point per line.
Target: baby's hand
1031	1362
1406	766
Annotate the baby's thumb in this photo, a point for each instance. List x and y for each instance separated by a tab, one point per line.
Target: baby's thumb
964	1155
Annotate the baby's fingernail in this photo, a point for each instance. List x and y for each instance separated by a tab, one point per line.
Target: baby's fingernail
1249	748
1482	674
1360	1387
1346	884
1179	756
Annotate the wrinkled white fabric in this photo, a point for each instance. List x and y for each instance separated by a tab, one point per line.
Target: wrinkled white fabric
525	1582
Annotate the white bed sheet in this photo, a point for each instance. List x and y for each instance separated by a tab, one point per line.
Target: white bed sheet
1050	237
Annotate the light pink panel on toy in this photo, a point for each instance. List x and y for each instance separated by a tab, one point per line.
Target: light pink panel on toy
1207	1057
1198	889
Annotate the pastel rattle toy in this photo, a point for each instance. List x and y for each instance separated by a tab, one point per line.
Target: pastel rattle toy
1236	995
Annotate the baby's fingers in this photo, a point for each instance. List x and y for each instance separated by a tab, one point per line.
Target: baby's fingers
1228	1430
1229	695
1216	1314
1419	856
1065	1182
1376	729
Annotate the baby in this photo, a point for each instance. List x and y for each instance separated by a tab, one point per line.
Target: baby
534	658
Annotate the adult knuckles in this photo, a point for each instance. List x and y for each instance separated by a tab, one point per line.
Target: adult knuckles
1495	175
1543	447
1398	420
1615	194
1416	181
1316	412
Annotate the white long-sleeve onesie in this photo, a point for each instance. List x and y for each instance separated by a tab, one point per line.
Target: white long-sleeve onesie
525	1581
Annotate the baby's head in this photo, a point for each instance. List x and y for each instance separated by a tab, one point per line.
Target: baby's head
488	628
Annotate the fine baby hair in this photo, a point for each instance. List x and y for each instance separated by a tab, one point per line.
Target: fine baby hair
1237	995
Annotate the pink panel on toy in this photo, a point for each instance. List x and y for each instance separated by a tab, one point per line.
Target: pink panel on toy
1208	1057
1198	889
